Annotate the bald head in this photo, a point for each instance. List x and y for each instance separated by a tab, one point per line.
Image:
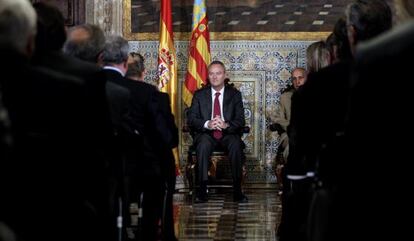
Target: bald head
299	77
85	42
79	35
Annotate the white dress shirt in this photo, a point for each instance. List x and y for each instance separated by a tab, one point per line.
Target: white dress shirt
213	97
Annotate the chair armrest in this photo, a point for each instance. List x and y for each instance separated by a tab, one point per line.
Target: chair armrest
186	129
245	129
277	127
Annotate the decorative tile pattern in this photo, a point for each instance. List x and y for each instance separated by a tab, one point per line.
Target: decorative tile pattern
261	70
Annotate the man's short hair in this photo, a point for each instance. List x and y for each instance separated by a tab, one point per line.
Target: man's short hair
89	48
369	18
17	24
116	50
299	68
136	67
340	40
219	63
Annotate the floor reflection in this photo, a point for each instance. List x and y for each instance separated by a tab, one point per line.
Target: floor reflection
222	219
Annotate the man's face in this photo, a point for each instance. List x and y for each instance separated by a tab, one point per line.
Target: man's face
216	74
298	78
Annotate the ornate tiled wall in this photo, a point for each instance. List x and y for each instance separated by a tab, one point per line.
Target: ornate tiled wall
261	70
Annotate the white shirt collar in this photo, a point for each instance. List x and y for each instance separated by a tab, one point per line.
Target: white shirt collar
213	91
115	69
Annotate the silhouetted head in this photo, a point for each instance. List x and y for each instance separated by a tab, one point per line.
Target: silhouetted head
367	19
85	42
51	33
17	26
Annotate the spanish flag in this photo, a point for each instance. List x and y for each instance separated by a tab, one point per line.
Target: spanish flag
167	62
199	52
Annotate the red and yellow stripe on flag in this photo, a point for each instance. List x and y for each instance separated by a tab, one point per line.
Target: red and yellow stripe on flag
167	64
199	52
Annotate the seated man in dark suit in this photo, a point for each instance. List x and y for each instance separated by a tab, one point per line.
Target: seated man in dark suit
217	115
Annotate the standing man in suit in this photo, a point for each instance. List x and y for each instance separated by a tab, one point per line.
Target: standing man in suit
381	63
150	136
47	168
136	71
50	38
217	115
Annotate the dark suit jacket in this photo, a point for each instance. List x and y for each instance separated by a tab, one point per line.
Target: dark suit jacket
166	154
145	118
97	117
94	82
6	137
379	124
49	168
317	116
201	109
165	109
119	98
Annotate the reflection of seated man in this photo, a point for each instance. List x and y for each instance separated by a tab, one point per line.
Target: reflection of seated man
282	117
217	116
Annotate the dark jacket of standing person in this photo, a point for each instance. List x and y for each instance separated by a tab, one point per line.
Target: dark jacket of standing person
379	145
47	171
51	35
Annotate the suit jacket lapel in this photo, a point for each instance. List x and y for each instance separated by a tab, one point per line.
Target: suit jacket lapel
209	103
226	102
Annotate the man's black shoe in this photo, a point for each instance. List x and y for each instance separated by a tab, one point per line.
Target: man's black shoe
240	198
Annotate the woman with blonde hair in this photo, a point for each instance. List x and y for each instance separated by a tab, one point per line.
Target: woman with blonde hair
317	56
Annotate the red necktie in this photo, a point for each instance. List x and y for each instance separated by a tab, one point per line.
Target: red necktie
216	133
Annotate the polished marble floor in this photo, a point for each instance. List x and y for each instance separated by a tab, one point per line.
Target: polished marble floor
222	219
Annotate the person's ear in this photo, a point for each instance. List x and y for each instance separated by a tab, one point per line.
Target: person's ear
99	59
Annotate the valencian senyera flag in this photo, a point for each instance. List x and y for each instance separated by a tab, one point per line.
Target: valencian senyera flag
199	52
167	64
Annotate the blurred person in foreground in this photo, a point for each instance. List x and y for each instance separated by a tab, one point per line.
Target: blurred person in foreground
381	180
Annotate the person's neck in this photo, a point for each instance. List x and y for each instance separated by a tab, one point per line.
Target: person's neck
218	88
120	67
